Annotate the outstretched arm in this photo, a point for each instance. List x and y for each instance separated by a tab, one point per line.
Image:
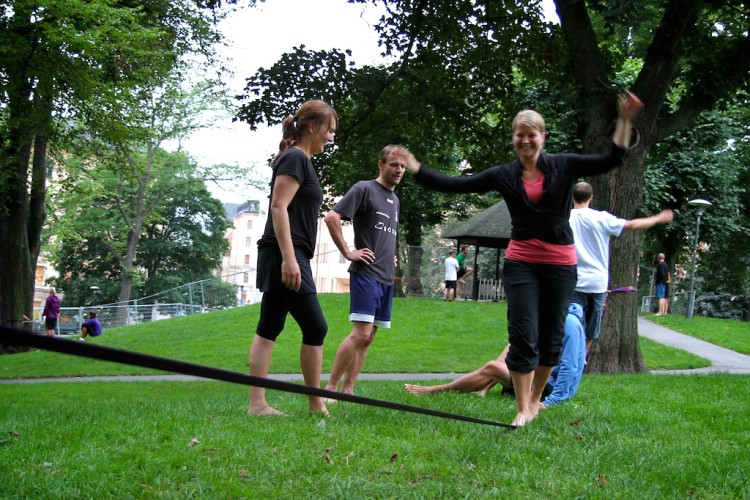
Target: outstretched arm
662	217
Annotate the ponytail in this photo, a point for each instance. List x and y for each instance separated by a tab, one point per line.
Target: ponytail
315	112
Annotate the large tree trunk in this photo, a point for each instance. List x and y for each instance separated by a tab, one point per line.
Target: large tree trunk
21	214
621	192
414	279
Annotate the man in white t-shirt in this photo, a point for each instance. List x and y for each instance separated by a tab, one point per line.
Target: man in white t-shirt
451	276
592	230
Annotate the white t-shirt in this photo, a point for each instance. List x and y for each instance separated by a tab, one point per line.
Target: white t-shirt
591	232
451	269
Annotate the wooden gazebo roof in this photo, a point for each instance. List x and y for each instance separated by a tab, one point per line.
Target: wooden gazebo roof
490	228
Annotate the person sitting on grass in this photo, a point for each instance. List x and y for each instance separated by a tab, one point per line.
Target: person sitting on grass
91	327
562	383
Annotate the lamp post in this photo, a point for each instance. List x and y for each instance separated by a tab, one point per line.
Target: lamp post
95	291
701	204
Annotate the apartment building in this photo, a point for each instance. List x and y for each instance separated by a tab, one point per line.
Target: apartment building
239	265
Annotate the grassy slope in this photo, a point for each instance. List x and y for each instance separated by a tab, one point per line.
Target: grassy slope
734	335
427	336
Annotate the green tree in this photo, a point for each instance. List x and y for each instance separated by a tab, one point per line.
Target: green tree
181	238
704	160
56	58
471	65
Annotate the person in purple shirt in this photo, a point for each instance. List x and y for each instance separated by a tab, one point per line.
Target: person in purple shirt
91	327
51	312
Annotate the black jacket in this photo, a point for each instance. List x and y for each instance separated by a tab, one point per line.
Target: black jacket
547	220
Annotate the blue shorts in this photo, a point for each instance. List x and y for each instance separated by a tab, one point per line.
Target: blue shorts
661	291
370	301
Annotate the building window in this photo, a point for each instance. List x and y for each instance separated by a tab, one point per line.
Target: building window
324	253
247	260
248	241
342	259
250	223
245	277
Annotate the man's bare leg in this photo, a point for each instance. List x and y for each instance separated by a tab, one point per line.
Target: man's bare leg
500	373
475	381
347	356
484	390
350	378
261	351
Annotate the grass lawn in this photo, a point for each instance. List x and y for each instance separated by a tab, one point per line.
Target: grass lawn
427	336
734	335
622	436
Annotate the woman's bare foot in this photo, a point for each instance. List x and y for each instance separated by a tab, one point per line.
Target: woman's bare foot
317	405
418	389
330	401
523	418
265	411
319	410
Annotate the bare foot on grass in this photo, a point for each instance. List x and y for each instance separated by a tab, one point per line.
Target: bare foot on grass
321	411
265	411
318	406
418	389
523	418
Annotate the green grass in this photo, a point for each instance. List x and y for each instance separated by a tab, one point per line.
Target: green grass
426	336
734	335
622	436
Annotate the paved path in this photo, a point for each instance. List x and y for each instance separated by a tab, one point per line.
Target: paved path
722	361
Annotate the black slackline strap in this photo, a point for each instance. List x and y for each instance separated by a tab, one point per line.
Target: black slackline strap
12	336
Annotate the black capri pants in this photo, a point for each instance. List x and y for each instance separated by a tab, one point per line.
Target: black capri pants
538	297
304	308
278	300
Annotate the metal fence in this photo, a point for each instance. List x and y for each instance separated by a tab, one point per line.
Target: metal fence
193	298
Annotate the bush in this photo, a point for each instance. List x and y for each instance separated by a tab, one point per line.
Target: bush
723	305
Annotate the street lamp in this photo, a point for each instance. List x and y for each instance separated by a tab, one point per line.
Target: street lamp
701	204
95	291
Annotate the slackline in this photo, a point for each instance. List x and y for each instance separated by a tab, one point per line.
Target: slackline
12	336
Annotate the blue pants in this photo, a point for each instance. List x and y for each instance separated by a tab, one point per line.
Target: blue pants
593	305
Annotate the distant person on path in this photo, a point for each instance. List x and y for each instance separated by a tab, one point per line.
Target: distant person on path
539	269
563	381
91	327
374	209
592	230
463	271
451	276
51	312
661	280
284	252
